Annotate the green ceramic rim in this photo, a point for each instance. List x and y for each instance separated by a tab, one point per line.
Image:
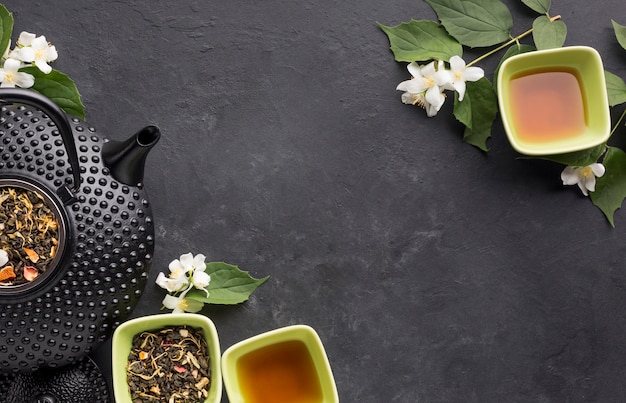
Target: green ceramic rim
122	341
303	333
587	62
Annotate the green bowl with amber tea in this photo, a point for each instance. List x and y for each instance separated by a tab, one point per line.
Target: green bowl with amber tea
554	101
170	357
283	365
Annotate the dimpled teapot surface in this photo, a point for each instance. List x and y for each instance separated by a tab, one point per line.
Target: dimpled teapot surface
106	235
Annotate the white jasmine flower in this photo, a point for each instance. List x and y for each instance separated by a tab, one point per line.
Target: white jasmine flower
425	88
11	77
25	39
201	280
189	262
584	177
35	49
186	272
410	98
192	262
460	74
180	272
181	304
176	281
197	266
4	257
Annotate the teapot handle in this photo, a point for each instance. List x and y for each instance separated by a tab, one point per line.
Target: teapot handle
47	106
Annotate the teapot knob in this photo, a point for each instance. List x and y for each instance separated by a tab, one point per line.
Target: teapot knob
46	398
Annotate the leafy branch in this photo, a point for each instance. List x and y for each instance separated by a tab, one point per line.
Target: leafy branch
611	188
191	283
488	23
26	66
475	23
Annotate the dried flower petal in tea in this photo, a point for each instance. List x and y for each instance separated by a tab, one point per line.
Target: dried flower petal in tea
169	365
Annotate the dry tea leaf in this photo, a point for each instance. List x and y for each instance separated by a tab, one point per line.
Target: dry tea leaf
169	365
29	234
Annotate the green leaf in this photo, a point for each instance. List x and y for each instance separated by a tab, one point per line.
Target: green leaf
228	285
463	109
474	23
515	49
421	40
611	188
6	29
540	6
477	112
578	158
620	33
59	88
615	88
548	34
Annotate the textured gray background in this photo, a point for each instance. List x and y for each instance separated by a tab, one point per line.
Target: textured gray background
433	272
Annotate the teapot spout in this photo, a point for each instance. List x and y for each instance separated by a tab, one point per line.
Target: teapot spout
126	159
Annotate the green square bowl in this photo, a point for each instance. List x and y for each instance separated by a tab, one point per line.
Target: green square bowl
584	63
301	333
122	342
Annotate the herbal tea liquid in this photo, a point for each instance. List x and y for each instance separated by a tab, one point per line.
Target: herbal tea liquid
547	105
279	373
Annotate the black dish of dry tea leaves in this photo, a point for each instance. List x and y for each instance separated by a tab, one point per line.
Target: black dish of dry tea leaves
169	365
29	234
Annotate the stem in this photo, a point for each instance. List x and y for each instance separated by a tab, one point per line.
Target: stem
618	122
505	44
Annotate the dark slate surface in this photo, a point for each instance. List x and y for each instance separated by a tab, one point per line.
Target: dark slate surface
433	272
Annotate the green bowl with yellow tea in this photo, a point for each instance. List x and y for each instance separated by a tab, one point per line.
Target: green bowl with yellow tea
554	101
172	357
283	365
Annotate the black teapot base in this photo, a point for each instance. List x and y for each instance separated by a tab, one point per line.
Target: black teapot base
80	382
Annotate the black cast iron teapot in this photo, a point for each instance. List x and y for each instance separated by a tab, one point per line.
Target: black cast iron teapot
106	235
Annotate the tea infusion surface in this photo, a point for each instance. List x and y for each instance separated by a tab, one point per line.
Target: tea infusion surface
547	105
279	373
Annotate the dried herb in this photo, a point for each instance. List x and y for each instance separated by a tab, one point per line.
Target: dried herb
29	234
169	365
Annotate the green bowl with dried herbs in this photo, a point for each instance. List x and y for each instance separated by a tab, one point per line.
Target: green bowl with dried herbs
167	356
